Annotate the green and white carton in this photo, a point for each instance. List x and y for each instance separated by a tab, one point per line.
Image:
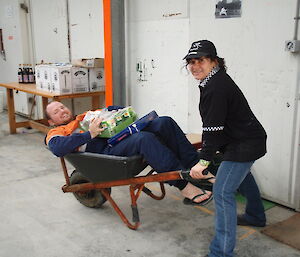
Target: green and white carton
113	121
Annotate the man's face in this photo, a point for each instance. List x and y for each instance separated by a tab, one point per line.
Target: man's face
58	113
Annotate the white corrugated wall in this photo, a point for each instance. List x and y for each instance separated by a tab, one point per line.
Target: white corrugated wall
253	46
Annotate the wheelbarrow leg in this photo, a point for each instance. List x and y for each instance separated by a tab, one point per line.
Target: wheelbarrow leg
119	212
134	196
156	197
65	171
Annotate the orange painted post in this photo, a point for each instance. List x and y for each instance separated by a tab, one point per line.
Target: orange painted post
108	53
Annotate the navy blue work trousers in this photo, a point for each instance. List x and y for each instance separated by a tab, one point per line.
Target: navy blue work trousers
163	145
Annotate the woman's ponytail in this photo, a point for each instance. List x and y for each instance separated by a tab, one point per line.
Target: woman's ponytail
221	63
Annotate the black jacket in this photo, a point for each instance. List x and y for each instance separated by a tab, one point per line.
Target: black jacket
229	125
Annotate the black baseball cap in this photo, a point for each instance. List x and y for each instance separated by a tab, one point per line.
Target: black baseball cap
201	48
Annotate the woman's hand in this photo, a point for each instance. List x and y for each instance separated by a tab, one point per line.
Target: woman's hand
196	171
94	127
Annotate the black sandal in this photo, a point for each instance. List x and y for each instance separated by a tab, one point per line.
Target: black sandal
188	201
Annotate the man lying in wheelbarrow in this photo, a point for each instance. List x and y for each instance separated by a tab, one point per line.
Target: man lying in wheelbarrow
162	144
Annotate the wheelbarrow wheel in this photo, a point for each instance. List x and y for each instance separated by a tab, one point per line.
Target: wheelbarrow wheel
92	198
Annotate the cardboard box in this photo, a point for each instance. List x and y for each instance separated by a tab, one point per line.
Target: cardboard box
61	81
42	77
38	77
46	78
96	79
89	62
80	80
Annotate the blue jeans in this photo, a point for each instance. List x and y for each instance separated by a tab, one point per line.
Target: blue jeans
233	177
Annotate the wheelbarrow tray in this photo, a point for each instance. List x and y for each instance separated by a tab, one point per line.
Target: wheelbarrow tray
103	168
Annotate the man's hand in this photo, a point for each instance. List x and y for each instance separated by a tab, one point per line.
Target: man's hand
95	128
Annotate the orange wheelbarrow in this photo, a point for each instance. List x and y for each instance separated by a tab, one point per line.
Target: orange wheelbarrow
96	174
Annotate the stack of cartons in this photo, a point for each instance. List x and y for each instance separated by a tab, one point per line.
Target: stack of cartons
83	76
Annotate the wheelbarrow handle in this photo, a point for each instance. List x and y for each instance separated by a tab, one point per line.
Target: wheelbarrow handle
205	172
185	174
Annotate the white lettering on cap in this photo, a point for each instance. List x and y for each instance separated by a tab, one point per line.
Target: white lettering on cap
196	46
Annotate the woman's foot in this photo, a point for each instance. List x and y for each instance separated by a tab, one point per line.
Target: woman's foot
195	195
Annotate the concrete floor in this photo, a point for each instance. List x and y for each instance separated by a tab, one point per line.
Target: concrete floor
39	220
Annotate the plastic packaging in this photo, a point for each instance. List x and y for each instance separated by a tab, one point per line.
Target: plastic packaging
113	121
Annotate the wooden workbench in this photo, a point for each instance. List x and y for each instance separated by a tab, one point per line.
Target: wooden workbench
42	124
